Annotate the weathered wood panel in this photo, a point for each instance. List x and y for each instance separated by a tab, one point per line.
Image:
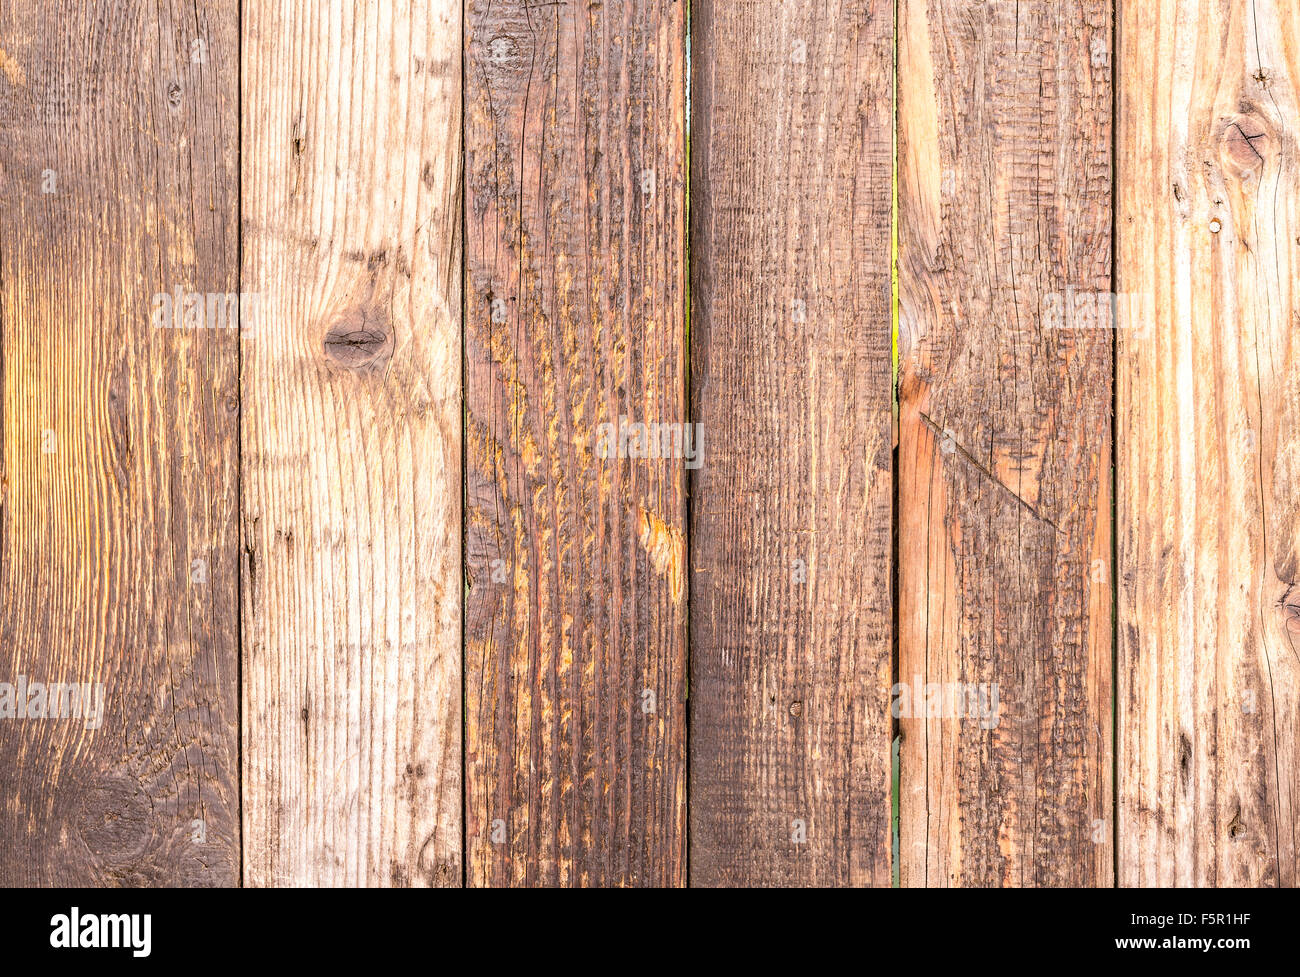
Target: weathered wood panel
352	443
575	555
791	618
1004	454
1208	403
118	533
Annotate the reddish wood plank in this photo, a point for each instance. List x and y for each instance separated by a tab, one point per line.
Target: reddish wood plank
1004	451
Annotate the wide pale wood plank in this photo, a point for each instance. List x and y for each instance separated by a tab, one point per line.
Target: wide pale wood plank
575	638
791	617
352	443
1004	449
1208	404
118	532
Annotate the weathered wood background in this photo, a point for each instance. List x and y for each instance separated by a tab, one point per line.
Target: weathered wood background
621	423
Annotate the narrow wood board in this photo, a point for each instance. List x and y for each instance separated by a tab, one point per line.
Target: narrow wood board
118	532
791	617
1004	462
352	443
575	570
1208	402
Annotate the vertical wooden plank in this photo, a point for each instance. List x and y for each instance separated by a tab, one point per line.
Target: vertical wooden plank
1005	452
1208	403
352	443
118	181
791	618
575	317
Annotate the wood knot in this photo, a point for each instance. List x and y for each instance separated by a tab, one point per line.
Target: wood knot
1235	828
503	52
114	820
361	340
1290	605
1246	143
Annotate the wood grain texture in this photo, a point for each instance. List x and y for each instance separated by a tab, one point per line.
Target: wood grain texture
118	180
1004	452
791	619
1208	402
575	563
352	443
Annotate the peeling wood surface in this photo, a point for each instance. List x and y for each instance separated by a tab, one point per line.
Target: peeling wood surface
791	619
352	443
575	317
118	160
1208	197
1004	450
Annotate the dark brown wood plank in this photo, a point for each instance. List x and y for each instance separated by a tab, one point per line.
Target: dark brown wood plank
791	620
575	562
117	495
1004	453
